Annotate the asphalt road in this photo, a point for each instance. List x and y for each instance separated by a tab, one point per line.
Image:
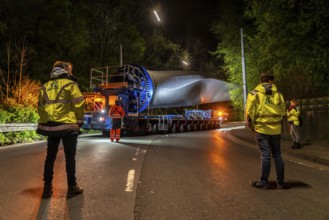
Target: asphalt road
197	175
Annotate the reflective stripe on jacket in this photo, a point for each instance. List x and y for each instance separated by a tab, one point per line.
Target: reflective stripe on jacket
265	109
60	101
116	111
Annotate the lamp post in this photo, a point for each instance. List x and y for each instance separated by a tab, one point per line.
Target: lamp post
243	75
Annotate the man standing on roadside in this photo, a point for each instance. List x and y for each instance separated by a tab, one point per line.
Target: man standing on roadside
265	110
293	120
61	111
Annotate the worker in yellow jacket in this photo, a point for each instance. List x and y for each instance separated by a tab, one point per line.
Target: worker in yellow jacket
293	114
61	111
265	110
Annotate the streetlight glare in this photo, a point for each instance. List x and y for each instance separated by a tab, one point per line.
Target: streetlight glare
156	15
185	63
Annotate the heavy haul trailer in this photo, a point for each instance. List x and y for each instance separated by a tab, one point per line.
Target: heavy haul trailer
140	90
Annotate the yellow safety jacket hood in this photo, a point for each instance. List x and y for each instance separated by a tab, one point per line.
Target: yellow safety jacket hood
265	109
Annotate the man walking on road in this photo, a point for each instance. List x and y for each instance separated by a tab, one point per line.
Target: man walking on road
116	113
61	111
265	110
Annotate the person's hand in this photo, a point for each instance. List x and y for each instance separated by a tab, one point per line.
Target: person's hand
250	125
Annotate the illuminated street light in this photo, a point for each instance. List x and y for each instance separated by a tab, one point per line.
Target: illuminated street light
156	15
185	63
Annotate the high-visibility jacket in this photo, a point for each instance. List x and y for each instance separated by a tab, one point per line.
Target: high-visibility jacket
116	111
292	114
265	109
60	107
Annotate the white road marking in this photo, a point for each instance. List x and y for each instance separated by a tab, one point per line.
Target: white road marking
136	154
130	181
231	137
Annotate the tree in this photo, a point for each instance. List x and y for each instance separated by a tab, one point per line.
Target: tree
288	37
161	53
227	29
288	40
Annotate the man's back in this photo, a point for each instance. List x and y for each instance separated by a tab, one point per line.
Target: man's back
266	108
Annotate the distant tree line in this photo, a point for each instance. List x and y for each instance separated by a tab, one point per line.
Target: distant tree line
34	34
288	37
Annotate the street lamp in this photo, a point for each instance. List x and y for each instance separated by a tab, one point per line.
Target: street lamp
159	20
156	15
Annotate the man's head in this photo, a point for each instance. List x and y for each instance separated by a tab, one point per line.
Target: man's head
267	77
64	65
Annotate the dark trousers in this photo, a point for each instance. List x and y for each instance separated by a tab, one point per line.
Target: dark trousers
269	145
70	146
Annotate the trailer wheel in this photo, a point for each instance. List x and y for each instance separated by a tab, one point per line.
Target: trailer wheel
174	128
201	126
195	127
154	129
189	128
182	128
213	126
142	131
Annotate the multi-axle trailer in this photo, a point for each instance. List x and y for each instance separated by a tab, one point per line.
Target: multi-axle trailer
141	91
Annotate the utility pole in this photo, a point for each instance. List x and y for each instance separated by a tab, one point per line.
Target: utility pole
121	57
244	77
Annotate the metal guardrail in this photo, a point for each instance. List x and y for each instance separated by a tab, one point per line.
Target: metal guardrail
18	127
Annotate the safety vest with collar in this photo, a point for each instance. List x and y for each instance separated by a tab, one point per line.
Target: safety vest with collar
60	107
265	109
116	111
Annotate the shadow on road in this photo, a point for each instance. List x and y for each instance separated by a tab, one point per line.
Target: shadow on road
272	185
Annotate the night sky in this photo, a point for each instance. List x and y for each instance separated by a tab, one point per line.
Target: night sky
186	19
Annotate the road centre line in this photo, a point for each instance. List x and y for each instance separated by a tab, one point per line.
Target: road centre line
130	181
136	154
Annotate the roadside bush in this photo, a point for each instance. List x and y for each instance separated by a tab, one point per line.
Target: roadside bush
21	114
18	114
19	137
4	116
3	139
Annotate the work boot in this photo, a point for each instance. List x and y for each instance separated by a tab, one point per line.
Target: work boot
111	140
47	191
117	140
259	185
73	191
297	146
294	145
283	186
